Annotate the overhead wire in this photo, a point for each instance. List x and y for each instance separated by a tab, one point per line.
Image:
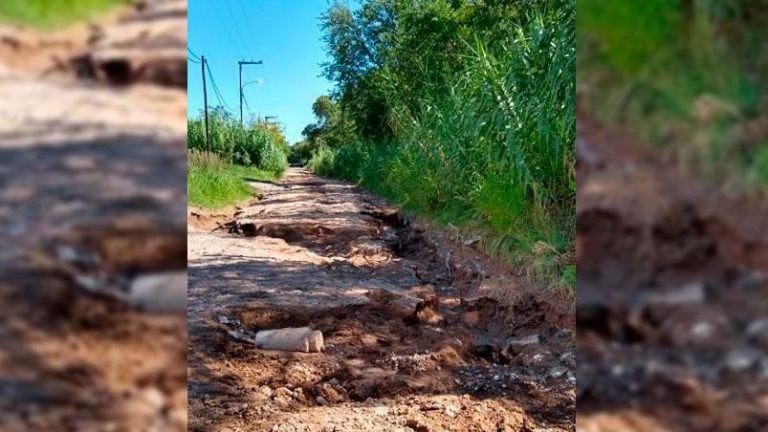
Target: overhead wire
216	90
192	53
236	24
226	27
247	107
248	22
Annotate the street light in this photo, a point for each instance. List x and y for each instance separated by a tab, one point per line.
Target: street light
240	64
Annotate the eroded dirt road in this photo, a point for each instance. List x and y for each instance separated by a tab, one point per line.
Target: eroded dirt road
326	254
673	294
92	173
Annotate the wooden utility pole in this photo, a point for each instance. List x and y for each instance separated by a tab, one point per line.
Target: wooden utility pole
240	64
205	104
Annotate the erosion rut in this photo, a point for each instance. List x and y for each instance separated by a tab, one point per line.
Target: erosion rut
415	336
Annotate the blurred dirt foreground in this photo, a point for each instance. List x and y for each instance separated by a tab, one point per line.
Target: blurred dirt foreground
92	211
673	307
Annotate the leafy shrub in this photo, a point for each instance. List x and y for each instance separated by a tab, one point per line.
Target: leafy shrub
487	143
322	162
260	144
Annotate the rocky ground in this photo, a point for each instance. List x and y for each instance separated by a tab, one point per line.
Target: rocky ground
92	187
422	332
673	294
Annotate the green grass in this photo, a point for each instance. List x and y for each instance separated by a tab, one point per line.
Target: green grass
214	184
261	145
50	14
687	80
494	156
238	154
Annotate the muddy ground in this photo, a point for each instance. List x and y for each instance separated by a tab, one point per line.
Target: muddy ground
673	294
88	171
325	254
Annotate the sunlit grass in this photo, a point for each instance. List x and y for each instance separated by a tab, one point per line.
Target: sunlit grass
51	14
214	184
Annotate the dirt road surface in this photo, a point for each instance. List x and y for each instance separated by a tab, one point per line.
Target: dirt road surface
673	294
89	173
415	336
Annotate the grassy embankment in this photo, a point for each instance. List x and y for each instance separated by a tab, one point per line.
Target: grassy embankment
48	14
688	77
219	178
483	142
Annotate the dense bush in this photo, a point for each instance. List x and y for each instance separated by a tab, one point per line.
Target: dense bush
475	127
260	144
322	162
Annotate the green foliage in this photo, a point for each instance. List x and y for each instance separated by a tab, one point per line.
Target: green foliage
213	183
630	32
47	14
300	153
463	116
760	164
321	162
261	145
683	74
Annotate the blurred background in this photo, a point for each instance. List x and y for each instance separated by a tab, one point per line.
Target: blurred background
92	215
672	232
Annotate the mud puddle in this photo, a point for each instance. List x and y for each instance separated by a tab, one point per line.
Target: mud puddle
414	339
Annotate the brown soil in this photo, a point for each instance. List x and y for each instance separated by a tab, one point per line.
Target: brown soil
144	43
673	294
320	253
100	171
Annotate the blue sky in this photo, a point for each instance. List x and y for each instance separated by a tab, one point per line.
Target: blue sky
283	33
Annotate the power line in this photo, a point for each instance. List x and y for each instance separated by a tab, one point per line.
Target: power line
216	91
248	21
247	107
191	60
224	24
194	56
236	24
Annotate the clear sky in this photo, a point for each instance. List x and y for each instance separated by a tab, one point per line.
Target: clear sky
283	33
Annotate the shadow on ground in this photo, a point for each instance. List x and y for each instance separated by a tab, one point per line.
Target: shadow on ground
71	361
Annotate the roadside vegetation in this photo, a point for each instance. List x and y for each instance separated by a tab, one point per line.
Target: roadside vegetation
218	176
463	112
687	76
47	14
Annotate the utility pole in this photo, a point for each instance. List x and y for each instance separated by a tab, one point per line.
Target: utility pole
205	103
240	64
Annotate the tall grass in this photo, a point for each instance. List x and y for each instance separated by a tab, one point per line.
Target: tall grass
255	145
494	154
218	176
